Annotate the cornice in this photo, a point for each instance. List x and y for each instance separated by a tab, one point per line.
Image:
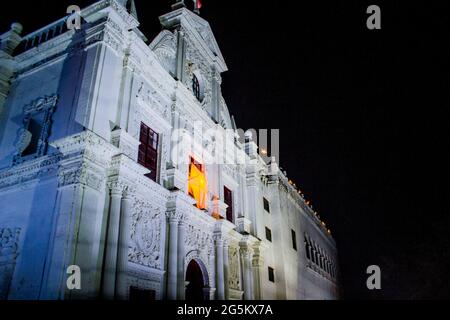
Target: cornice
25	172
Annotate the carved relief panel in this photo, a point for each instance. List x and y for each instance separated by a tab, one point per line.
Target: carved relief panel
9	248
146	235
234	277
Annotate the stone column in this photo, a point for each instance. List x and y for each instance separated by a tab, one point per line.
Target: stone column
181	55
310	252
212	263
124	243
172	266
247	273
257	263
208	293
112	238
220	280
181	260
226	263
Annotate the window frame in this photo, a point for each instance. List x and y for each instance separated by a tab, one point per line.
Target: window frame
43	108
230	209
196	87
149	147
271	274
266	205
268	234
294	240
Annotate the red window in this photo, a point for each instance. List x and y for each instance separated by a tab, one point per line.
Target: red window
228	199
197	164
148	150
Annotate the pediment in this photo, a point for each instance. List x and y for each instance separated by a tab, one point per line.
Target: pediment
198	26
204	30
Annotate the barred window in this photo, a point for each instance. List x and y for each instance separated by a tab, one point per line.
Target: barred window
196	88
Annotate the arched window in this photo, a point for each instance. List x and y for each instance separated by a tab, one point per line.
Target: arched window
196	88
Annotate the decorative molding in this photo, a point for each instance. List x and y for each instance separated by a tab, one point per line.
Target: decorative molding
28	171
126	143
90	12
85	175
45	106
165	50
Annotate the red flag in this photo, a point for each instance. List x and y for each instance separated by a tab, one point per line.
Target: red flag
199	4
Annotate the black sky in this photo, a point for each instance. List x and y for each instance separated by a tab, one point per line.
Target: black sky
362	114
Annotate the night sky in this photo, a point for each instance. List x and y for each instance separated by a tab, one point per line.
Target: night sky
362	114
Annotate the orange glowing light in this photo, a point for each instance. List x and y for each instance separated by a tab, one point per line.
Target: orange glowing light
198	186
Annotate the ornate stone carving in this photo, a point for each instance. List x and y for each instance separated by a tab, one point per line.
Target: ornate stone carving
151	98
9	247
165	50
9	239
46	106
174	215
41	104
82	175
146	235
130	21
198	239
234	277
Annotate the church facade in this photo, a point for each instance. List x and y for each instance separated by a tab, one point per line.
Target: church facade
93	172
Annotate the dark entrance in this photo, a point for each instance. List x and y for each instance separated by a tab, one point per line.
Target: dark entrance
194	289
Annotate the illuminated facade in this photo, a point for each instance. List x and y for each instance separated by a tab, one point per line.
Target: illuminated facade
88	176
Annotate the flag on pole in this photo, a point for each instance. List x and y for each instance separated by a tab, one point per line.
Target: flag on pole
199	4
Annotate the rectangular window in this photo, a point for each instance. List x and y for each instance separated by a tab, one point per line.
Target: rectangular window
268	234
294	240
266	205
148	150
271	274
228	199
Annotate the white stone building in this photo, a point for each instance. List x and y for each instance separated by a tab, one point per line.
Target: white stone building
88	176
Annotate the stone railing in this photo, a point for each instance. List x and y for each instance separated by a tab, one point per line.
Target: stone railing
43	35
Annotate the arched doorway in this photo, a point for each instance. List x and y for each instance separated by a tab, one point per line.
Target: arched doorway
196	284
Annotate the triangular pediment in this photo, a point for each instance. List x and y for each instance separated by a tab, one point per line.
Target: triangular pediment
204	29
195	24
